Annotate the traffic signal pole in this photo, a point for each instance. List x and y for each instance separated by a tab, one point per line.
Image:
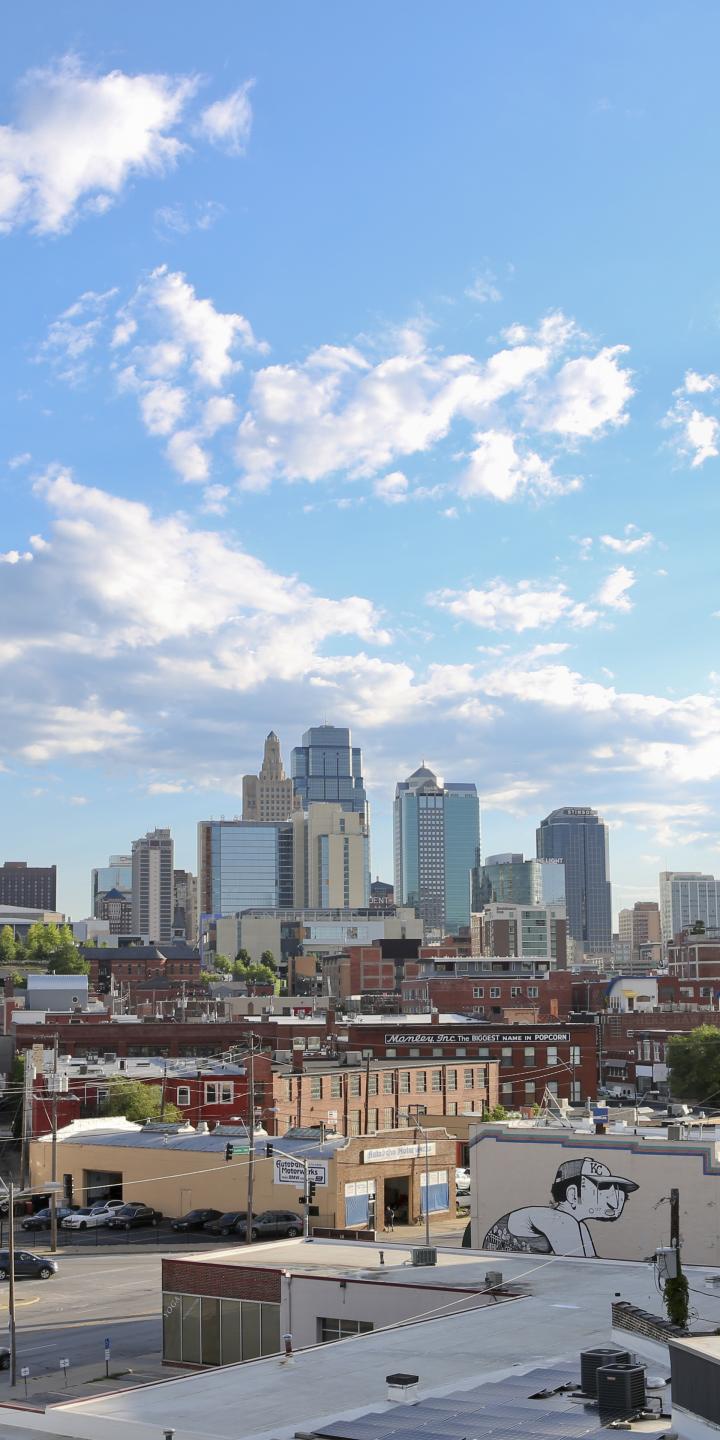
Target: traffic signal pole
251	1137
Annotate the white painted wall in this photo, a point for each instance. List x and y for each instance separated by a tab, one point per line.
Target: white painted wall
306	1298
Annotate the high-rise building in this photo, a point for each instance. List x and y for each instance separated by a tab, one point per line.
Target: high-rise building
511	879
116	907
535	932
686	897
436	842
638	939
332	864
327	767
577	836
29	887
244	865
152	886
185	906
116	875
269	795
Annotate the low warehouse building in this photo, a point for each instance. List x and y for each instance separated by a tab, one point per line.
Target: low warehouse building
175	1169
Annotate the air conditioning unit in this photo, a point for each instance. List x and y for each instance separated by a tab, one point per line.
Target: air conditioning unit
493	1279
620	1389
591	1360
423	1255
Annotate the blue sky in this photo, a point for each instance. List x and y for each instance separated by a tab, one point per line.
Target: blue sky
359	362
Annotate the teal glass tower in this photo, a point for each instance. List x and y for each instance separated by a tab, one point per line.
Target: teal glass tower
436	841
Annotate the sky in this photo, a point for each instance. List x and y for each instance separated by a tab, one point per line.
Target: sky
360	363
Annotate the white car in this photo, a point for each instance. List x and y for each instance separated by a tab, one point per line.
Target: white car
90	1217
462	1181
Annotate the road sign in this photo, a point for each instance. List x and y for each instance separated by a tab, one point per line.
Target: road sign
107	1342
64	1364
25	1371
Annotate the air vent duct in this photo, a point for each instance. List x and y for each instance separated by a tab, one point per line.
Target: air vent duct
591	1360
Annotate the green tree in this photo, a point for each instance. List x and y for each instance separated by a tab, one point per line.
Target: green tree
207	977
677	1298
260	975
223	964
137	1101
694	1061
239	970
68	961
8	946
267	958
498	1112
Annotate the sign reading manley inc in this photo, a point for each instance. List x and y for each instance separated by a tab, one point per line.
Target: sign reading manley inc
398	1152
477	1037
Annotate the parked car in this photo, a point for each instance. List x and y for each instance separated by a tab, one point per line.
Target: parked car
91	1217
225	1224
195	1219
128	1216
462	1180
4	1358
272	1225
27	1266
41	1219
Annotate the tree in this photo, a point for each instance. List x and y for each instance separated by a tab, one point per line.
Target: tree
207	977
242	957
137	1101
694	1061
259	975
223	964
677	1298
68	961
8	946
239	970
498	1112
267	958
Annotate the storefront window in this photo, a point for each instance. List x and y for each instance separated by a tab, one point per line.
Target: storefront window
191	1329
210	1330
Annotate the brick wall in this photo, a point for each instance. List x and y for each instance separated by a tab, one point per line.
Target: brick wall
641	1322
227	1282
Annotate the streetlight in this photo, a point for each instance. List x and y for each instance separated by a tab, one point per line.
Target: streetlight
418	1111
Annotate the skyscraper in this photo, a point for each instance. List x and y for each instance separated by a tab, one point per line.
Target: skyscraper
686	897
577	836
436	842
185	906
244	865
269	795
152	886
510	879
32	887
116	875
331	858
328	767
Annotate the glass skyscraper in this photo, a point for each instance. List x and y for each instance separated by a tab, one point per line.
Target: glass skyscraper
436	842
244	865
327	766
579	838
510	879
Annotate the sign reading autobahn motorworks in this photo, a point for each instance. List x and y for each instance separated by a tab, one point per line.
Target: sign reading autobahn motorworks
477	1037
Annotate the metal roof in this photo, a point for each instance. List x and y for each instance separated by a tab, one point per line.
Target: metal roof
213	1143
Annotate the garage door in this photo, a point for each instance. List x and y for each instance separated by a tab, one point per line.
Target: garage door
102	1185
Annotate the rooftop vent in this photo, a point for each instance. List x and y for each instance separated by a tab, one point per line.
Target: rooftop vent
591	1360
423	1255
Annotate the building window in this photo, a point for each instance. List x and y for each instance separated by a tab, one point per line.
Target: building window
529	1090
388	1119
287	1089
452	1108
574	1054
336	1087
182	1097
219	1092
436	1079
203	1330
372	1121
576	1092
552	1055
373	1083
421	1080
495	992
387	1083
468	1079
434	1192
354	1122
404	1079
329	1330
515	991
478	992
316	1087
506	1089
529	1057
451	1079
533	992
506	1058
354	1085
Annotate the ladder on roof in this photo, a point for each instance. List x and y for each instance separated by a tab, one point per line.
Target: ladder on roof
551	1111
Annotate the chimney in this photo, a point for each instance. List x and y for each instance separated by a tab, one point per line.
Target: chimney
402	1388
330	1022
435	1017
298	1058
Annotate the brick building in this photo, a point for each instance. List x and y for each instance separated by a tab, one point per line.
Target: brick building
28	886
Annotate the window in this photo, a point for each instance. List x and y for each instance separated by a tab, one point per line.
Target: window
316	1087
329	1330
336	1087
506	1090
452	1108
575	1091
354	1120
478	992
404	1079
182	1097
529	1057
506	1058
533	992
468	1079
373	1083
372	1121
529	1090
354	1085
436	1079
451	1079
219	1092
388	1119
388	1082
552	1086
421	1080
574	1054
515	991
552	1058
495	992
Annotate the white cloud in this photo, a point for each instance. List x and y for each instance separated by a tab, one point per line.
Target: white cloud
187	457
695	384
74	334
613	591
174	220
78	139
182	329
162	407
228	122
16	462
497	468
392	488
484	288
166	787
524	606
697	432
628	544
14	557
76	730
587	395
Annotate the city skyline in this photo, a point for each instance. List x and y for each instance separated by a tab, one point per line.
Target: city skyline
377	379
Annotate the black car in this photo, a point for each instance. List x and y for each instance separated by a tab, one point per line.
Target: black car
225	1224
272	1225
4	1358
128	1216
41	1219
27	1265
195	1219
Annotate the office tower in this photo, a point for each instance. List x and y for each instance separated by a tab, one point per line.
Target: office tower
116	875
269	795
686	897
331	857
537	932
244	865
639	940
327	767
436	841
28	887
577	836
185	906
115	907
513	880
152	886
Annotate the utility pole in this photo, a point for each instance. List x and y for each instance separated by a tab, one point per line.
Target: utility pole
675	1225
11	1284
53	1172
251	1136
162	1092
367	1092
28	1077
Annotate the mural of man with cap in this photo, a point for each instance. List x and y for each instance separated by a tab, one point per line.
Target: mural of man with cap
582	1190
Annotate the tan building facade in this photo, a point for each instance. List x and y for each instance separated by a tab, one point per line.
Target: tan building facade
541	1192
270	795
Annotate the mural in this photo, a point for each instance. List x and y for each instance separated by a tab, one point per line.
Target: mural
582	1190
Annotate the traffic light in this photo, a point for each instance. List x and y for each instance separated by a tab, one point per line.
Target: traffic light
229	1151
269	1149
312	1187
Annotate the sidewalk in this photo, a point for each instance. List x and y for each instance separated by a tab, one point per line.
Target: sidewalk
48	1387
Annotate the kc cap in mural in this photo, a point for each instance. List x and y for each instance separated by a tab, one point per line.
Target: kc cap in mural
572	1170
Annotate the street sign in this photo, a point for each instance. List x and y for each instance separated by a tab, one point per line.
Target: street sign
25	1371
64	1364
601	1114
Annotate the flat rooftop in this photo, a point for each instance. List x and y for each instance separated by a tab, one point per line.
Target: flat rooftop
360	1260
567	1310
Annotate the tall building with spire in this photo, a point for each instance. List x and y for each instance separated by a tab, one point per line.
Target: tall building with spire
436	843
269	796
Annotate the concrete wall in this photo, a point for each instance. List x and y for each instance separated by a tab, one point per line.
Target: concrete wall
512	1173
307	1298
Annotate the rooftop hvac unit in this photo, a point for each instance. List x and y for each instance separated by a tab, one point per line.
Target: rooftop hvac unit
675	1132
424	1255
493	1278
591	1360
620	1389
